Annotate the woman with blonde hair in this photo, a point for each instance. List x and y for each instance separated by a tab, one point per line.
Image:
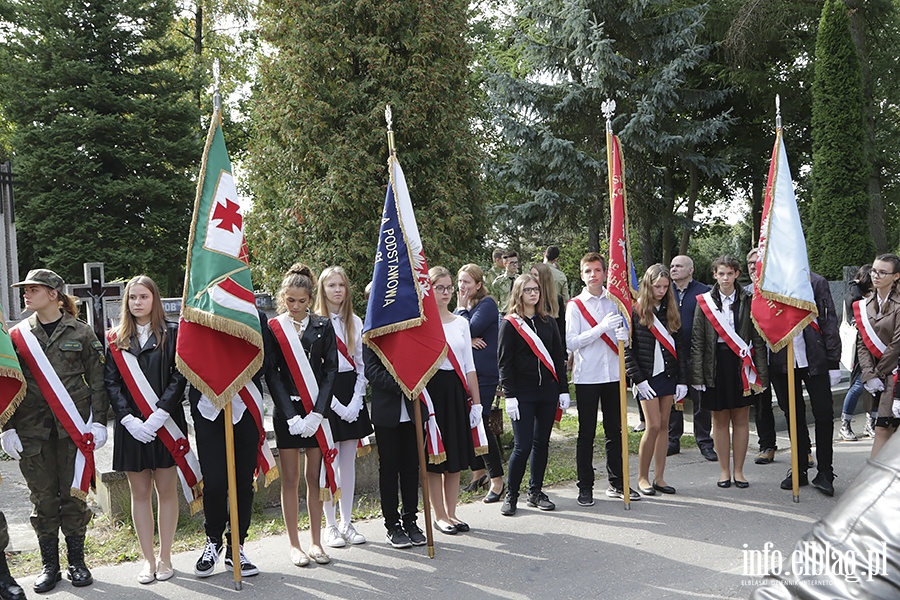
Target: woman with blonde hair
480	310
299	341
450	393
553	302
532	364
144	341
656	363
349	417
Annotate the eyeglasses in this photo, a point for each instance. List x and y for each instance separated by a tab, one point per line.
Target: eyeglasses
444	289
531	290
880	274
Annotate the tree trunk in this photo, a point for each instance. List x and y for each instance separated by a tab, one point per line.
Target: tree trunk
756	204
858	35
595	223
691	209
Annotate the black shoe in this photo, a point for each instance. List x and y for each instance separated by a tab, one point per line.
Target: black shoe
207	562
248	569
788	483
416	535
9	589
585	497
540	501
492	497
445	527
398	538
741	485
509	505
824	483
50	574
612	492
78	572
725	483
462	527
709	454
673	450
649	491
664	489
478	483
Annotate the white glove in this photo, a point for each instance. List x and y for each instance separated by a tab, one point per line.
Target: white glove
645	391
156	420
874	385
100	435
895	408
834	376
475	415
621	334
512	409
564	401
610	322
11	443
354	408
295	425
339	409
700	388
311	424
680	392
137	429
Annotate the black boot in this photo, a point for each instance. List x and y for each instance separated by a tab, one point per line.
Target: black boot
9	589
50	574
78	571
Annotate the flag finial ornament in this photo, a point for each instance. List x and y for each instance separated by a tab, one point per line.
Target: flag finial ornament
609	109
777	111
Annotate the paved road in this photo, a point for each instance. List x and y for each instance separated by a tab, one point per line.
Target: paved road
690	545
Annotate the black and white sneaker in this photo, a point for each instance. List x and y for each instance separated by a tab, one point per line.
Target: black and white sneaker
612	492
397	538
540	501
207	562
416	535
248	569
585	498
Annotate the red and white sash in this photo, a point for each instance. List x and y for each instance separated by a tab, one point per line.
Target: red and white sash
175	440
363	446
265	460
479	435
62	405
433	440
537	346
867	330
308	388
717	318
663	336
592	321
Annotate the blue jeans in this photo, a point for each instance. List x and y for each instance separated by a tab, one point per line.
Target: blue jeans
853	394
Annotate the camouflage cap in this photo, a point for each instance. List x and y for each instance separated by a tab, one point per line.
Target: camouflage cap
42	277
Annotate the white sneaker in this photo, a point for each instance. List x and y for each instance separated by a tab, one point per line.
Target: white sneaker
333	538
351	535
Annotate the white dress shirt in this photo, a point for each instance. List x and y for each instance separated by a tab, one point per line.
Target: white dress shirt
595	361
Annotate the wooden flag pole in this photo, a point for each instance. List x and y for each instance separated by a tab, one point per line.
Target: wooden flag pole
232	498
792	401
423	475
623	409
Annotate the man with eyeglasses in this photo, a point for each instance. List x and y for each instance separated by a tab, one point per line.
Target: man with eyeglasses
502	285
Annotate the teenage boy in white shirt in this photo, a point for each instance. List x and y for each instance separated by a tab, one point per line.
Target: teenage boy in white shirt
596	377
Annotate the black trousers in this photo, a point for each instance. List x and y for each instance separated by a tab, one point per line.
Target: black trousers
590	397
765	419
213	465
819	388
398	458
531	434
492	461
702	423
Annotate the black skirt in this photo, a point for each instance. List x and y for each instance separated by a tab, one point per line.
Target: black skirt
728	393
283	437
134	456
341	429
451	410
663	385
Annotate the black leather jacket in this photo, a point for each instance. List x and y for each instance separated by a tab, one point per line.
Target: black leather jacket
158	364
321	349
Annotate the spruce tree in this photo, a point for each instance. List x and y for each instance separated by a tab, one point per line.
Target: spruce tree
105	137
318	154
839	234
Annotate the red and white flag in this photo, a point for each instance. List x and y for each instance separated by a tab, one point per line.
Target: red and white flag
783	302
621	278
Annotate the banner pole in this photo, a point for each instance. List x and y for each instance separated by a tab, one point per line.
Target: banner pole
795	442
232	498
623	410
423	475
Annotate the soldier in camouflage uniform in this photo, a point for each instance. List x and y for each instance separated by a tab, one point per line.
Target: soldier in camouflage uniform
35	435
9	589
